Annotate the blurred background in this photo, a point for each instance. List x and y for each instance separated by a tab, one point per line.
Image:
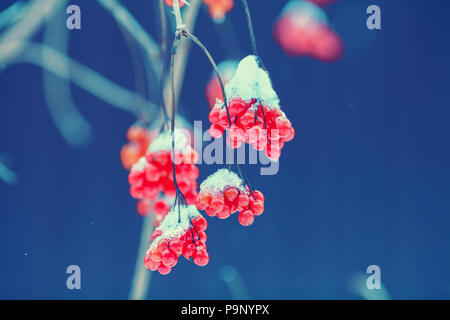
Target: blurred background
365	181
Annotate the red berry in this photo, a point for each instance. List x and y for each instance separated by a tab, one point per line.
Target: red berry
188	250
236	106
155	255
224	213
246	218
247	119
231	193
163	269
161	208
284	126
214	115
290	136
176	245
200	223
257	207
201	257
243	200
258	195
169	258
217	203
216	131
151	264
203	200
162	244
202	235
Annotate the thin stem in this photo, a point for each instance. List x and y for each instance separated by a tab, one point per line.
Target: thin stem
177	12
142	277
163	59
213	63
84	77
250	27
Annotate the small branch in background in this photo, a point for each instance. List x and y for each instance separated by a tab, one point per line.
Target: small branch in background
84	77
127	20
7	175
250	27
142	277
71	124
189	19
13	13
234	282
13	40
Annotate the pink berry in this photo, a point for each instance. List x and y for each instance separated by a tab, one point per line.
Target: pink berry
201	257
169	258
246	218
231	193
200	223
216	131
163	269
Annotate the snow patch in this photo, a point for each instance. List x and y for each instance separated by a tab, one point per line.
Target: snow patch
250	81
140	165
221	180
164	142
173	227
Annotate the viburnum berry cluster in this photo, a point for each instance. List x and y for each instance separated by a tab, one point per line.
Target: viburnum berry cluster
248	109
153	173
224	193
181	233
253	115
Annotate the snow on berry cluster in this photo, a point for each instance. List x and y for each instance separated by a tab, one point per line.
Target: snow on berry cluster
139	139
181	233
254	115
223	194
153	173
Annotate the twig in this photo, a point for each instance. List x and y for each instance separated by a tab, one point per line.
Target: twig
126	19
213	63
84	77
71	124
250	27
13	40
142	277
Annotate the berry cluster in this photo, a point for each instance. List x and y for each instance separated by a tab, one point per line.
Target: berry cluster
253	115
252	122
139	139
181	233
303	29
153	173
223	194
